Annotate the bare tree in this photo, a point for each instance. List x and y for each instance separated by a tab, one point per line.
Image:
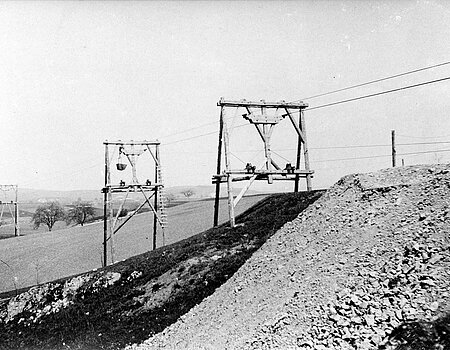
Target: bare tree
80	212
188	193
48	214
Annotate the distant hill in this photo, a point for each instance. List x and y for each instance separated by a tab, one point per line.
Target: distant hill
65	197
34	196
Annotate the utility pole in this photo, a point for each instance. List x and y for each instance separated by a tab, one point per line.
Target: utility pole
219	160
16	213
393	147
105	208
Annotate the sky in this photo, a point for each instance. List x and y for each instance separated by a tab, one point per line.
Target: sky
74	74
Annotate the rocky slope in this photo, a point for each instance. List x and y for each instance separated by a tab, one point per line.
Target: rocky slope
129	301
366	267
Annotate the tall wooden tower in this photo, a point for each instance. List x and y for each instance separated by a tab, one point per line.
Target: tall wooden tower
128	154
264	116
11	205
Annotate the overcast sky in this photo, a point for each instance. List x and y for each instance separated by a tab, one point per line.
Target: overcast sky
73	74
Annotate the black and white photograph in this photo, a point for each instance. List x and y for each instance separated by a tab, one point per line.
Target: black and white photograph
225	175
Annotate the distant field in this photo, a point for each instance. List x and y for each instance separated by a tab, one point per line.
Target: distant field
41	256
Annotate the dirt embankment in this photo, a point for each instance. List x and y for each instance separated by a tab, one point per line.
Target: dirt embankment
131	300
356	270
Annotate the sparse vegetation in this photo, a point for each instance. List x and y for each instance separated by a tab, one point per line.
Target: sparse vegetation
188	193
80	213
48	214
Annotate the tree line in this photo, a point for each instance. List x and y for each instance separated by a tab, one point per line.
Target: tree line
80	212
49	213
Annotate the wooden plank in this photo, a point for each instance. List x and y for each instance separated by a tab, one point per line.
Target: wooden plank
305	150
153	156
260	130
296	125
132	143
152	208
133	188
280	104
244	190
263	119
266	172
229	180
275	164
129	217
119	210
147	200
284	177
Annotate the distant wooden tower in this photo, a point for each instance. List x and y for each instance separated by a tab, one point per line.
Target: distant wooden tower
257	113
128	152
11	205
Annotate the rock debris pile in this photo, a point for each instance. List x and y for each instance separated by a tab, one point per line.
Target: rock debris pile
371	256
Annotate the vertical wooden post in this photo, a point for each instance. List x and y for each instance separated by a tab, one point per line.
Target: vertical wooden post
393	147
299	152
229	179
105	209
267	153
16	213
305	150
111	218
155	219
219	159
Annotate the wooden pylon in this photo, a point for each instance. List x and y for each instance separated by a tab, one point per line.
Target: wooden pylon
264	122
111	224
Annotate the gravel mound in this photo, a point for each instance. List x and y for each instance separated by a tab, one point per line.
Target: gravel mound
362	268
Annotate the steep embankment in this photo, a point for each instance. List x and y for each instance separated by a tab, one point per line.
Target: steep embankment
134	299
353	271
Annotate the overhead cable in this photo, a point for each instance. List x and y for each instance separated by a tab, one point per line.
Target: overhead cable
376	94
374	81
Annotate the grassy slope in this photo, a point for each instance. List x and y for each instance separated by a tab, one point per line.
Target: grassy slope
126	312
42	256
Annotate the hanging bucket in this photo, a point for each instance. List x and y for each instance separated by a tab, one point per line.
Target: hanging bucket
121	166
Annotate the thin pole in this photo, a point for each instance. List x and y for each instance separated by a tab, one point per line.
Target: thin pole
305	150
110	219
105	209
16	214
219	159
229	179
155	220
299	152
393	147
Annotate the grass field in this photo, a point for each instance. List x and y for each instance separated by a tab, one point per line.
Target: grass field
41	256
